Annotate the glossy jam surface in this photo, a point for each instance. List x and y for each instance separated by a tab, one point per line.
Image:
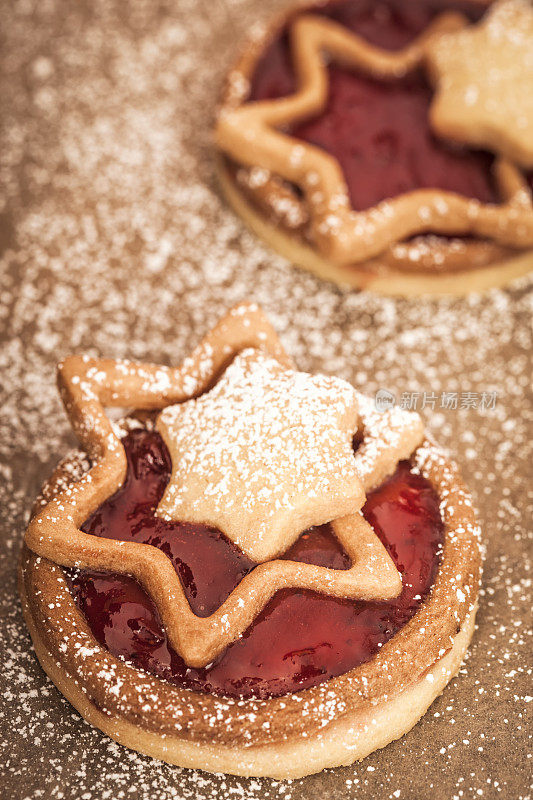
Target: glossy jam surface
379	130
300	638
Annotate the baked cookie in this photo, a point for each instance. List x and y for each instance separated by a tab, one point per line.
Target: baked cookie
388	144
256	572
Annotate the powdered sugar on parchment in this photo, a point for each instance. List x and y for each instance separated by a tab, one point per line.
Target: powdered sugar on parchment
114	242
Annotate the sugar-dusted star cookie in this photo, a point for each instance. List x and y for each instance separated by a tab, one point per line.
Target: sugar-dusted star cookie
263	455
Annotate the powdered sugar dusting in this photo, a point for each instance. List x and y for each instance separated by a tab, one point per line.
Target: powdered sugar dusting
115	243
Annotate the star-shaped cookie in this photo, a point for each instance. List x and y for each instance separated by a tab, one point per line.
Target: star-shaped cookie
264	455
484	82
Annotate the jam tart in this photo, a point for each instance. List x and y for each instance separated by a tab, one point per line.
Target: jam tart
387	144
256	572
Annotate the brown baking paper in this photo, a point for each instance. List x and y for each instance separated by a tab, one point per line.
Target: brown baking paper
114	241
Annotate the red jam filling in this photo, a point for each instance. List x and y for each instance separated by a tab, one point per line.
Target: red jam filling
379	130
301	638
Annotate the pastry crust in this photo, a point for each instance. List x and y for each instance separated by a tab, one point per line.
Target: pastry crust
430	266
350	738
259	167
328	725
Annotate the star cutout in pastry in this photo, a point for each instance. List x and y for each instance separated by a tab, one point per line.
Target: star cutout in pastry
484	80
240	350
255	134
264	455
